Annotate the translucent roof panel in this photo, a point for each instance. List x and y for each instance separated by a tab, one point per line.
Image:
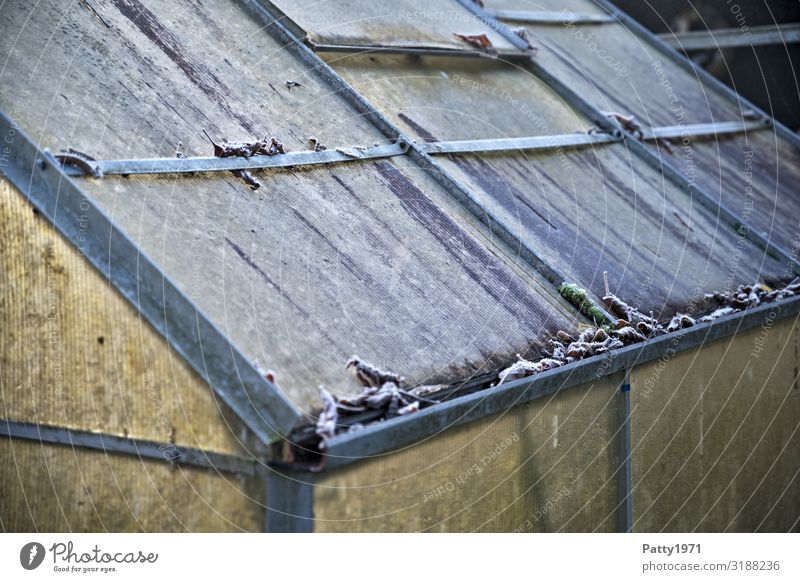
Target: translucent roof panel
590	211
187	68
616	71
755	175
323	264
441	99
372	259
405	23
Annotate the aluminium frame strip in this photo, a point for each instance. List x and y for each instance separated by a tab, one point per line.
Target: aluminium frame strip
543	142
99	168
542	17
705	130
140	448
642	150
423	51
401	432
214	164
695	40
260	405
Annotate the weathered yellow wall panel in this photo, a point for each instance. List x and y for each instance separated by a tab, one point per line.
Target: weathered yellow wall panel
543	466
715	437
57	488
74	353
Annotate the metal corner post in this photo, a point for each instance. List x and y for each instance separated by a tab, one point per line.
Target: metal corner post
625	508
290	500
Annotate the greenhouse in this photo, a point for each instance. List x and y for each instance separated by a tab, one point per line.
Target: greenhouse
389	266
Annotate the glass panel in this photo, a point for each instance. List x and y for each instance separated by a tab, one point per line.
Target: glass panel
405	23
437	99
616	71
757	176
187	68
555	6
323	263
594	210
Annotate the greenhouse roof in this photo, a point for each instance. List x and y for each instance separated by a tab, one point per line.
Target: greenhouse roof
448	187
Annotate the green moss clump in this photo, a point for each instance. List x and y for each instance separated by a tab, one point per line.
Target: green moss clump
580	299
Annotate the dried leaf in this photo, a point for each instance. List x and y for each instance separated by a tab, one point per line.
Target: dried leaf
369	375
328	417
480	41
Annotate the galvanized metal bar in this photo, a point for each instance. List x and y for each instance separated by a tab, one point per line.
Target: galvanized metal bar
543	142
625	507
212	164
541	17
265	11
290	501
422	51
679	59
705	130
643	151
694	40
143	449
99	168
262	407
404	431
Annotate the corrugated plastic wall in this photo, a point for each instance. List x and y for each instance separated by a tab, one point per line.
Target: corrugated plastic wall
73	353
546	465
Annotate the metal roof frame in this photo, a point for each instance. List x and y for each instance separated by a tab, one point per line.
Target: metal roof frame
260	405
99	168
139	448
539	17
696	40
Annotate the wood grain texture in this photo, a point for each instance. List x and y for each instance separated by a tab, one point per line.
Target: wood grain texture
74	353
59	489
601	209
544	466
436	99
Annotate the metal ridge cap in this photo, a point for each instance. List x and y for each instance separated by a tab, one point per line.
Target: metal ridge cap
261	406
401	432
134	447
